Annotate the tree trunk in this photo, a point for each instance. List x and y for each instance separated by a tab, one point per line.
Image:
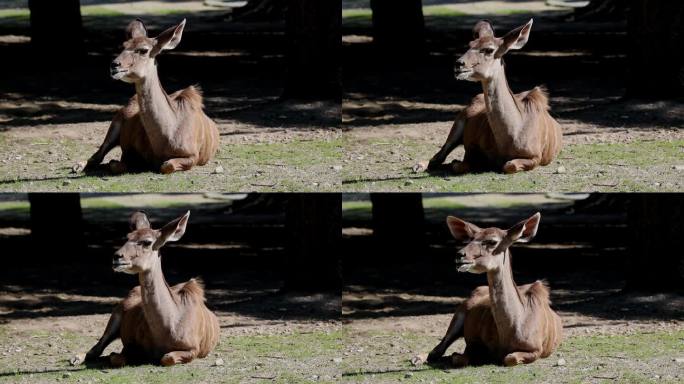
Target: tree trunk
56	29
398	224
656	57
398	28
656	260
259	10
314	34
314	227
56	225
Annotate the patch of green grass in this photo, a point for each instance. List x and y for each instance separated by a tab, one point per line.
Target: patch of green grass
285	358
624	167
636	358
436	10
94	10
294	166
16	14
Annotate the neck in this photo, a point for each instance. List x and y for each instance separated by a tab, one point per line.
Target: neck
503	111
158	116
507	306
161	310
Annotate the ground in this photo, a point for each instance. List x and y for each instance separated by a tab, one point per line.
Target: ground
53	117
399	308
266	335
398	112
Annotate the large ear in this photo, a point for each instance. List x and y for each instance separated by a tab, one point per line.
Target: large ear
461	229
138	220
483	28
136	28
515	39
525	230
168	39
172	231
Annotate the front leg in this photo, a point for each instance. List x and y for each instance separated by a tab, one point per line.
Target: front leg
110	142
453	332
516	358
177	357
517	165
110	334
177	164
453	140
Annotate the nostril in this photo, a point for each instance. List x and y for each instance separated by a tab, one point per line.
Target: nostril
115	65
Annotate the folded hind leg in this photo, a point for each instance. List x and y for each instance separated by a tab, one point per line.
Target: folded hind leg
518	165
177	357
177	164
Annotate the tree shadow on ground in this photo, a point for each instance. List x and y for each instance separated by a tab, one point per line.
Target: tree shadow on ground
583	66
583	257
239	256
239	66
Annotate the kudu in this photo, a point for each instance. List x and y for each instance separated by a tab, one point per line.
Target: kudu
156	131
156	323
501	322
499	130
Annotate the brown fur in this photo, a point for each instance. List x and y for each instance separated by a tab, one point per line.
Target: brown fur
138	343
481	336
483	153
202	134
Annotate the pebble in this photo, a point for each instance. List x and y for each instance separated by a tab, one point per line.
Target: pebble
218	170
560	362
678	167
679	360
336	167
337	360
219	362
561	170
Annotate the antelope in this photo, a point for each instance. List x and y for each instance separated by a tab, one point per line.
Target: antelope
156	131
499	130
156	323
501	322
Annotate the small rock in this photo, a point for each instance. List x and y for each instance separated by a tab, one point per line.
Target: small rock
420	167
560	362
218	362
336	167
679	360
678	167
66	375
561	170
337	360
408	182
218	170
66	182
419	360
408	375
77	360
79	167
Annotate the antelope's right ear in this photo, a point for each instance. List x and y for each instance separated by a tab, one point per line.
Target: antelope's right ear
525	230
172	231
461	229
138	220
136	28
168	39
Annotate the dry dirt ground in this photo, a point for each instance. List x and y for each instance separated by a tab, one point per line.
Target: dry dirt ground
53	117
397	113
399	307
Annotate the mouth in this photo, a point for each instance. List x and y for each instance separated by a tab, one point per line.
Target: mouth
464	266
117	74
463	74
120	266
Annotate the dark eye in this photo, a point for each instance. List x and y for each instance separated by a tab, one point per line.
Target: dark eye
489	243
145	243
487	51
142	51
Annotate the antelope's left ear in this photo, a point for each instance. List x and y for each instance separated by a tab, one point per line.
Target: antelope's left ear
515	39
172	231
525	230
168	39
